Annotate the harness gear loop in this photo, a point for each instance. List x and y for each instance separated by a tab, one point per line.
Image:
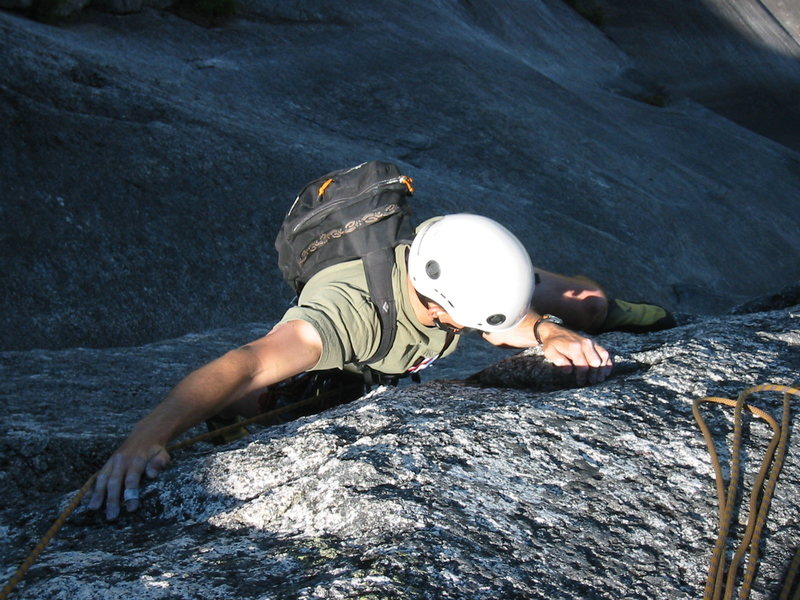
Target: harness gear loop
718	584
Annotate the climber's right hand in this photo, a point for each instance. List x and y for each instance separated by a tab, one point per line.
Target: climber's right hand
120	478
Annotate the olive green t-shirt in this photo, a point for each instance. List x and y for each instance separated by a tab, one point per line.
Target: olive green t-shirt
336	302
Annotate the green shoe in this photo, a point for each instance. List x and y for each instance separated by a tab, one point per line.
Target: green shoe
636	318
231	435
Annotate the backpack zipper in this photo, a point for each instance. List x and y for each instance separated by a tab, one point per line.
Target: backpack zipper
325	209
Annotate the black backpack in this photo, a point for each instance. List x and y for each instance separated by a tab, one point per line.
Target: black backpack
361	212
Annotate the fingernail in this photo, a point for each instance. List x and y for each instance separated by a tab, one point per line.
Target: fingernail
132	505
112	512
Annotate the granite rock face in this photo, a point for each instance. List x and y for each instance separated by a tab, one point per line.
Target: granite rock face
522	487
147	161
146	164
754	47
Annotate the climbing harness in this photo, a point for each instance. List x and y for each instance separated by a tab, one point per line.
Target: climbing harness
719	584
270	417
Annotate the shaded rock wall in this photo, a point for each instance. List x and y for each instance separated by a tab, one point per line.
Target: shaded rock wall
739	58
439	490
147	161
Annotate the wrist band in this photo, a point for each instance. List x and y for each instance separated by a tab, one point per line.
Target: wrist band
551	318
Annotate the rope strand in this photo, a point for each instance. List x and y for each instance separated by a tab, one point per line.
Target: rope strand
791	579
718	585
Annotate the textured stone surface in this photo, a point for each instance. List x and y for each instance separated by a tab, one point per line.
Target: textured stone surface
146	161
145	165
753	45
440	490
16	4
128	6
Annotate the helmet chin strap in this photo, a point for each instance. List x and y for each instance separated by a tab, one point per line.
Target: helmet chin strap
426	302
446	327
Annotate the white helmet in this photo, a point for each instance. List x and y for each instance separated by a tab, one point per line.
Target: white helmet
475	269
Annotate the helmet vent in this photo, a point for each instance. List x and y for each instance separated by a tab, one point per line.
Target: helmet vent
495	320
432	269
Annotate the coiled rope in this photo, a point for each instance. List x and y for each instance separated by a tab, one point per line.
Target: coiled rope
76	500
720	585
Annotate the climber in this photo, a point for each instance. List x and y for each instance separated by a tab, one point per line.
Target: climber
460	272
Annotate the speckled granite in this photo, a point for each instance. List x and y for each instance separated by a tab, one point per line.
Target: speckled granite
441	490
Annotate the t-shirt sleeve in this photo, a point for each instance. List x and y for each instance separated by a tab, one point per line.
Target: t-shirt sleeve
346	322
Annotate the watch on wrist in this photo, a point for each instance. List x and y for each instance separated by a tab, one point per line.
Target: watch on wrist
549	318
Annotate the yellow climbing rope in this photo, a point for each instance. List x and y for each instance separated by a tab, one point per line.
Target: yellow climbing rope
721	585
76	500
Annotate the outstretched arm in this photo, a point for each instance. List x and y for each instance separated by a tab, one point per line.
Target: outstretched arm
288	349
566	349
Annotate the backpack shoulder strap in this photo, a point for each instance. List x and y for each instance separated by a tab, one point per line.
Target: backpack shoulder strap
449	339
378	267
